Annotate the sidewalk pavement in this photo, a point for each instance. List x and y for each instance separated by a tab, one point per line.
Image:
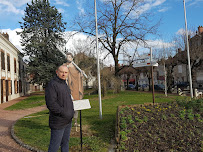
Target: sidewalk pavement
7	119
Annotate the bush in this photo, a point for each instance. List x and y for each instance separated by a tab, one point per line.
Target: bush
196	105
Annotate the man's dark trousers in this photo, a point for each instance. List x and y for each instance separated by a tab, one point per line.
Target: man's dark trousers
60	137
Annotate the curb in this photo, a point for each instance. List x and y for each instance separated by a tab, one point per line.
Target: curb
18	141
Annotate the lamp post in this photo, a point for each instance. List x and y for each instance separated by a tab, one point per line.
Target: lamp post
188	53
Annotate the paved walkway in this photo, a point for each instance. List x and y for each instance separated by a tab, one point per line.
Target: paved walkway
7	118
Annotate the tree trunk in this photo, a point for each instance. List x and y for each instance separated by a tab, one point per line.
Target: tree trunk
136	87
116	65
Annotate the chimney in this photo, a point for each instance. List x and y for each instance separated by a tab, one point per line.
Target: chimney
6	35
200	29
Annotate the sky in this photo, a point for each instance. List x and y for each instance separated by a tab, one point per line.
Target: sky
171	13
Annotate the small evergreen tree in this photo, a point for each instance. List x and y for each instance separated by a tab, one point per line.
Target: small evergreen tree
42	37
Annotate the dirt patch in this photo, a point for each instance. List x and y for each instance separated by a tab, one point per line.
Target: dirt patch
86	132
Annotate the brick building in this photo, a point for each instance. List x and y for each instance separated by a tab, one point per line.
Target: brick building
196	58
196	50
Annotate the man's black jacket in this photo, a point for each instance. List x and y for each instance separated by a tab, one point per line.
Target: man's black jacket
59	103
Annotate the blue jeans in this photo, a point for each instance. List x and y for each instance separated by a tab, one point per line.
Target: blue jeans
60	138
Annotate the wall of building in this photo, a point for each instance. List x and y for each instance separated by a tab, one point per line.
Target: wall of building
12	83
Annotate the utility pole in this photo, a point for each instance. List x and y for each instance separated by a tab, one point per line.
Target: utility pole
98	66
188	53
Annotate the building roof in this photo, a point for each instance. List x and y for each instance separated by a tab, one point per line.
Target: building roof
9	43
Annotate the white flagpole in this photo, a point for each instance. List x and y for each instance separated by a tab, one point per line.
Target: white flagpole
188	53
98	67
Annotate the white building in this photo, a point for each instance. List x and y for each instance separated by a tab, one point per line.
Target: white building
12	79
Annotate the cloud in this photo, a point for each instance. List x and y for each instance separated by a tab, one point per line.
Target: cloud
80	7
157	2
194	2
76	37
144	7
61	10
8	6
163	9
16	6
17	3
180	32
61	2
183	32
159	44
150	4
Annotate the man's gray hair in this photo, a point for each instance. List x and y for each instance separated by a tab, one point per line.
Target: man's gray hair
60	66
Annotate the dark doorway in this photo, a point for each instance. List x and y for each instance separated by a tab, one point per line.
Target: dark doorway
2	91
7	90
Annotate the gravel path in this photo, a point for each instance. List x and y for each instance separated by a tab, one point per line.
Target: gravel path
7	118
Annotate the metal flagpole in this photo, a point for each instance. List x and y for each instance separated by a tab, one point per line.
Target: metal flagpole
152	75
188	53
98	67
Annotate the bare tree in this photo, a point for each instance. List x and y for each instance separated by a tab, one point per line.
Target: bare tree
119	22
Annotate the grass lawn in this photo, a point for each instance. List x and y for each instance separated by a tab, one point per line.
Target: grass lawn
34	130
36	99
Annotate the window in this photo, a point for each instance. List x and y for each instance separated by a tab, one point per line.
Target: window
19	67
14	65
8	62
2	60
180	69
16	86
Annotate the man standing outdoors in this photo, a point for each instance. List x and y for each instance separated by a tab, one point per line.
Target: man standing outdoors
60	105
74	82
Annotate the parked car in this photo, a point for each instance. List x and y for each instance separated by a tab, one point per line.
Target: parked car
131	87
143	87
159	87
182	85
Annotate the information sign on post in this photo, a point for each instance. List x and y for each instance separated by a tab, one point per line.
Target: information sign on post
148	62
81	105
